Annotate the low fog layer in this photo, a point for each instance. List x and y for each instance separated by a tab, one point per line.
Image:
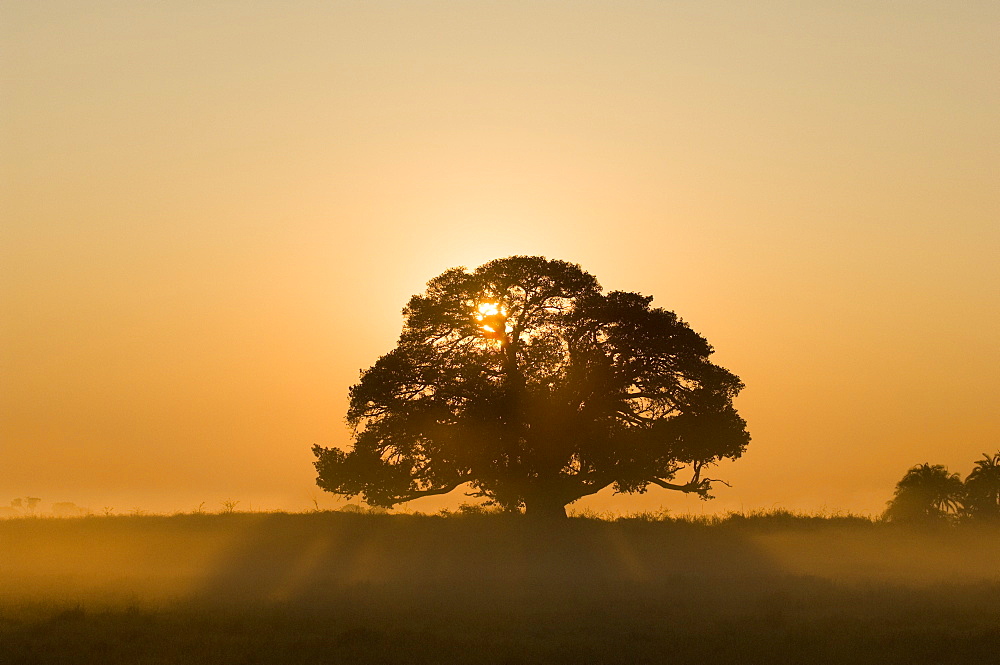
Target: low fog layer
284	557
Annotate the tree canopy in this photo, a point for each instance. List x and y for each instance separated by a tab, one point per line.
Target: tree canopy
524	381
927	492
982	489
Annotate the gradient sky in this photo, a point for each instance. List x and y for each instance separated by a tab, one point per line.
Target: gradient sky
213	212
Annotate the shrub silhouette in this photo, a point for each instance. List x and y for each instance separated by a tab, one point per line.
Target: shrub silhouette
982	489
929	493
926	493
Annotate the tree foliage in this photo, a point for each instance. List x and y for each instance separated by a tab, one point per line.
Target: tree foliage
524	381
982	489
926	493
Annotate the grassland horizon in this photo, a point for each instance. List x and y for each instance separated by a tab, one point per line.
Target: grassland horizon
763	587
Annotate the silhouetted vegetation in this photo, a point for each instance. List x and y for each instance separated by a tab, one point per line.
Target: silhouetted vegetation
981	496
355	587
927	492
522	380
930	493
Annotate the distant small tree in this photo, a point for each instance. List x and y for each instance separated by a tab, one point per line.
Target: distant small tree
66	509
29	503
982	489
926	493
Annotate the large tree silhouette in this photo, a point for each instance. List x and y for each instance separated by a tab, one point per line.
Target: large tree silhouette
526	382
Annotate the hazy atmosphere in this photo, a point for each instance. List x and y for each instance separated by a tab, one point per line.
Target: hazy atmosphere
213	213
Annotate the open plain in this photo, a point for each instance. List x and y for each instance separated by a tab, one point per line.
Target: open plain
331	587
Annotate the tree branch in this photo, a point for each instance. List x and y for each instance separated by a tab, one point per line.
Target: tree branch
692	486
696	484
431	492
648	395
587	491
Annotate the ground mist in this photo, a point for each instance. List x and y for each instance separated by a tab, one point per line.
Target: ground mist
331	587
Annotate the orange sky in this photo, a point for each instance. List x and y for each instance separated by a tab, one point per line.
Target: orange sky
212	214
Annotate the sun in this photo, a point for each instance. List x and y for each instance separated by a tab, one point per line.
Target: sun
489	309
492	318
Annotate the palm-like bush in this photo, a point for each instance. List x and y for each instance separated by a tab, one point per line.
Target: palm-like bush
982	489
927	493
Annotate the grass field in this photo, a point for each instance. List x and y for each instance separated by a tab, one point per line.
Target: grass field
354	588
